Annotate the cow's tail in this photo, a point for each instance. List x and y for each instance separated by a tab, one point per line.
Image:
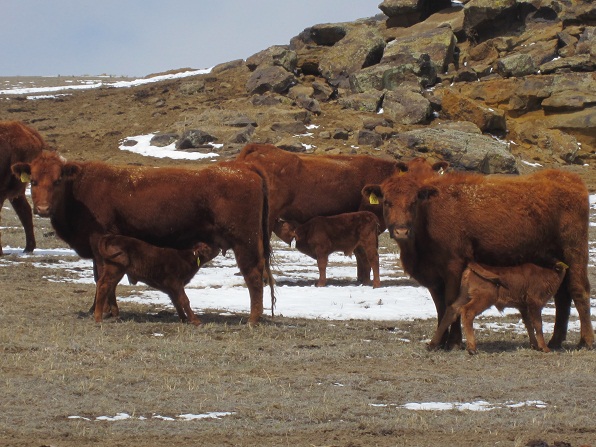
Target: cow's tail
267	250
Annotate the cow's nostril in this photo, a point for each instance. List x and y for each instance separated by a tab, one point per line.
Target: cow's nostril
400	233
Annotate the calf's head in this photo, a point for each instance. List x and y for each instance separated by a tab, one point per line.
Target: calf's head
47	174
401	196
285	230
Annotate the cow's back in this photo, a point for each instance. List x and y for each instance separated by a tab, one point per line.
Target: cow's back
304	186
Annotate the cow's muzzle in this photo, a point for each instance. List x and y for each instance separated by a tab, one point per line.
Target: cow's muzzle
399	233
42	210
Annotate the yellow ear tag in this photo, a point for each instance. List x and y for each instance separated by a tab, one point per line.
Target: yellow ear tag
198	261
373	199
25	178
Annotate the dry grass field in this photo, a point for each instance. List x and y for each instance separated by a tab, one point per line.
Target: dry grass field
293	382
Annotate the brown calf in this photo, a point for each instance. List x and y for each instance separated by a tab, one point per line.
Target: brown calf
348	232
526	287
165	269
18	143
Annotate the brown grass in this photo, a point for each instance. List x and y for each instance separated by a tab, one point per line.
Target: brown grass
288	382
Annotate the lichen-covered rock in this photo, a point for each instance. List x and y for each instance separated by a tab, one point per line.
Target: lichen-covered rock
516	65
279	55
464	151
270	79
406	106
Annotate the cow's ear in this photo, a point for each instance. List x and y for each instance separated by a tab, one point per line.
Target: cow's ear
22	171
373	193
440	166
426	192
401	166
70	170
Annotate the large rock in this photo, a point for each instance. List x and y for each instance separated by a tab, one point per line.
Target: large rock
279	55
363	102
438	43
408	12
478	13
516	65
362	47
464	151
390	76
270	79
406	106
461	108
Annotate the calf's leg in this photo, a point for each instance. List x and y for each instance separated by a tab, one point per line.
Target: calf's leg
322	260
105	288
536	318
182	304
363	266
524	310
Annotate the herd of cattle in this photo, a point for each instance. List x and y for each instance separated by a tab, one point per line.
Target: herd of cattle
472	240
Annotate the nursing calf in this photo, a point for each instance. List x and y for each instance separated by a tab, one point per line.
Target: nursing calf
527	287
348	233
165	269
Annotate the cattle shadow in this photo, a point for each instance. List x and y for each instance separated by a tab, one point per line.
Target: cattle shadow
170	317
345	282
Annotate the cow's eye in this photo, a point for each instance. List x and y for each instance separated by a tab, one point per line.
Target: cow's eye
57	182
33	183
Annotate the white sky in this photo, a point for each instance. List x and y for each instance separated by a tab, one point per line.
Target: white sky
140	37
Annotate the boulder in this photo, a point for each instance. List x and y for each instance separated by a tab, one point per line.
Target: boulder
478	13
270	79
362	47
516	65
163	139
369	138
438	44
364	102
194	138
406	106
463	150
458	107
277	55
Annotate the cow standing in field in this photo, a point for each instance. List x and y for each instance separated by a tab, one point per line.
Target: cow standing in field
527	287
303	186
323	235
224	205
165	269
445	222
18	143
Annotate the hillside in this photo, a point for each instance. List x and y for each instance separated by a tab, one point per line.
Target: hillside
493	86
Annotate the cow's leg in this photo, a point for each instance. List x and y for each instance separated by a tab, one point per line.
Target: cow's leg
579	289
452	285
322	260
182	304
535	312
525	312
252	266
23	210
2	199
363	266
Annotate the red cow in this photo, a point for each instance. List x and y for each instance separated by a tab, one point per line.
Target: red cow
165	269
306	186
527	287
448	221
18	143
323	235
224	205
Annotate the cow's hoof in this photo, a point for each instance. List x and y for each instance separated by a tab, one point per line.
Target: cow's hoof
472	351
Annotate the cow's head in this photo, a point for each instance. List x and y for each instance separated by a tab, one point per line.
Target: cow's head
47	174
401	195
285	230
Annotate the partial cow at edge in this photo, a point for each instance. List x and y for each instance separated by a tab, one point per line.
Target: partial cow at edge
18	143
442	223
164	269
526	287
351	233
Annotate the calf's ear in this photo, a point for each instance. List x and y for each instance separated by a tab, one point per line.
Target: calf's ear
70	170
426	192
401	166
22	171
440	166
373	193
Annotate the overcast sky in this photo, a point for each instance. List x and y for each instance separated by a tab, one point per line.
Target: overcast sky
140	37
